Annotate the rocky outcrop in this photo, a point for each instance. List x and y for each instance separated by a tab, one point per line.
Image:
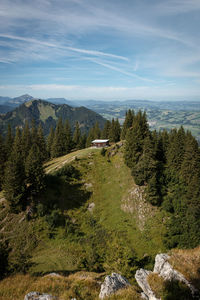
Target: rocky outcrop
163	268
141	277
112	284
39	296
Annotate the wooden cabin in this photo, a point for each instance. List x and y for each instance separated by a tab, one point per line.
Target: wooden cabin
100	143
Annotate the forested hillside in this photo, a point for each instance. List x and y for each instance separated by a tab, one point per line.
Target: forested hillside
47	114
66	208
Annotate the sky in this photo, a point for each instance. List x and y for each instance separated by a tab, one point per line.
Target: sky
100	49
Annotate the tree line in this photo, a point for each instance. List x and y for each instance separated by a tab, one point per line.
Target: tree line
23	153
168	165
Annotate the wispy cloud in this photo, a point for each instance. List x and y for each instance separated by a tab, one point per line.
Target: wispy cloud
129	42
58	46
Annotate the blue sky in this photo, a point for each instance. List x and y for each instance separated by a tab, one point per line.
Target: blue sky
100	49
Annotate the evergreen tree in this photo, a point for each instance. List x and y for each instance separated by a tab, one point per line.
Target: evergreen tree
115	131
127	123
50	141
8	141
90	137
68	137
147	164
14	178
2	160
34	171
34	136
58	147
106	130
83	141
94	133
77	136
135	139
41	143
97	131
26	140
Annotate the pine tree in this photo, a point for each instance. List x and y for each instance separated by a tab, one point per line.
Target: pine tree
83	141
34	171
34	136
115	131
127	123
147	165
2	160
26	140
77	136
135	140
97	131
106	130
68	137
14	178
8	141
90	137
41	143
58	147
50	140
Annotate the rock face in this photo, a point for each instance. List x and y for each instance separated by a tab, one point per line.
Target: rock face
141	278
112	284
163	268
39	296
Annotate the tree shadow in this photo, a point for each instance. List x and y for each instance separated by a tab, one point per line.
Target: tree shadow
64	190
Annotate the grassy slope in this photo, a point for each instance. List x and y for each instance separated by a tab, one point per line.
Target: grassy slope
109	183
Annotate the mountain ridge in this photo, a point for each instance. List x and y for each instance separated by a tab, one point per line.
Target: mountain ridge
47	114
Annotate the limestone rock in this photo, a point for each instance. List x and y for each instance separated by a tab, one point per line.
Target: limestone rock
91	206
165	270
141	276
112	284
39	296
52	275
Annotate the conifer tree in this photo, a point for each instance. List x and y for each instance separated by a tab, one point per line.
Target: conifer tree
50	140
90	137
106	130
14	178
135	140
8	141
77	136
68	137
41	143
97	131
83	141
2	160
127	123
34	171
115	131
26	140
58	147
34	136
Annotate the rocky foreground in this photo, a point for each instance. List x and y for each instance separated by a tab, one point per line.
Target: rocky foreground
115	282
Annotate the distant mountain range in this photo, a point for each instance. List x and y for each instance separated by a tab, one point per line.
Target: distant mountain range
47	114
7	104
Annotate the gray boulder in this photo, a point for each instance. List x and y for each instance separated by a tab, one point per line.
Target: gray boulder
165	270
112	284
141	276
39	296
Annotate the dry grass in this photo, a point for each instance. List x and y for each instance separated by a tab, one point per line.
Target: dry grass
59	162
156	283
187	262
81	285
